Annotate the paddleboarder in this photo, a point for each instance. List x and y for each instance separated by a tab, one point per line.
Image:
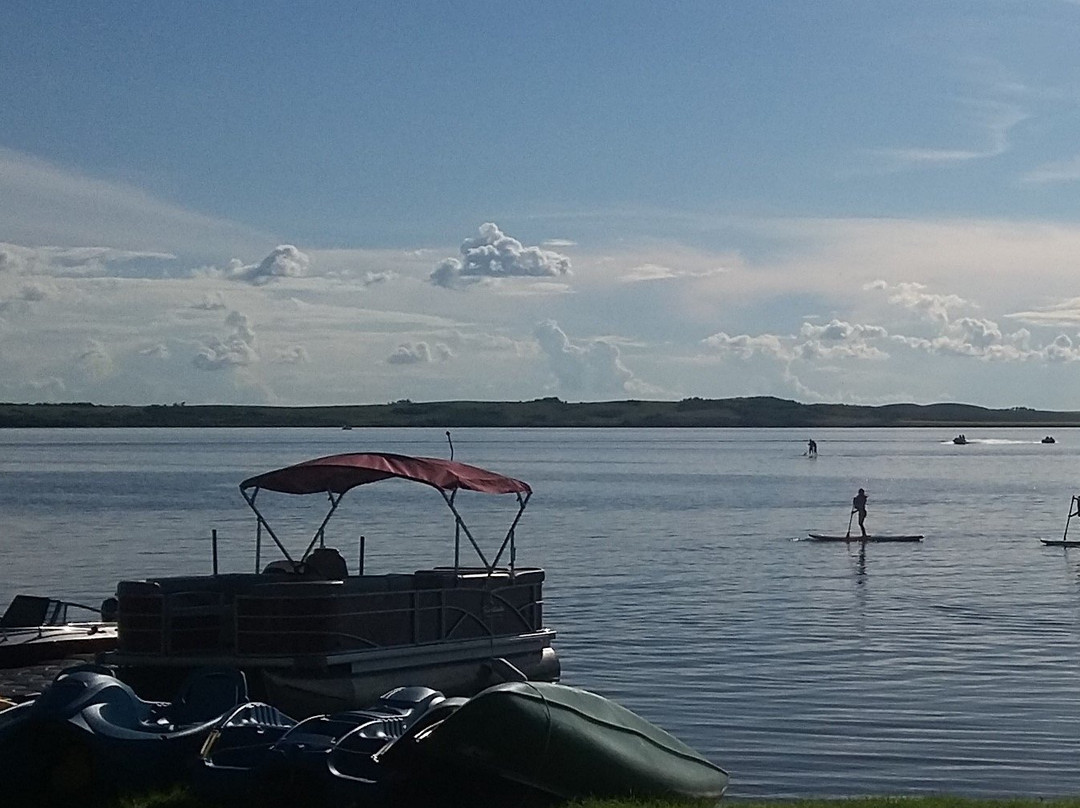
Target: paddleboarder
811	448
858	505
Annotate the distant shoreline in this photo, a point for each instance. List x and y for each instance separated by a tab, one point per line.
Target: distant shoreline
762	411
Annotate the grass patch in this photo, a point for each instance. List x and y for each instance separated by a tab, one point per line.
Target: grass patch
180	797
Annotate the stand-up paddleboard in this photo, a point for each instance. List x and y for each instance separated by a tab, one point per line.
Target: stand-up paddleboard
872	538
1065	541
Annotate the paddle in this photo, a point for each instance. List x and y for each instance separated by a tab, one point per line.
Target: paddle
852	516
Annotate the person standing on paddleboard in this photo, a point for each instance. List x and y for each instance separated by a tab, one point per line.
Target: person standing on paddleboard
858	505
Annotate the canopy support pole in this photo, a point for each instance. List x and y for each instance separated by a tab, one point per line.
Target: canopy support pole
318	537
264	524
462	526
522	502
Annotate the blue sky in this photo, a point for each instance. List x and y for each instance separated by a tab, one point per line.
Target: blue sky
362	202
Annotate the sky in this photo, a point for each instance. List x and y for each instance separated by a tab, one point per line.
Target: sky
365	202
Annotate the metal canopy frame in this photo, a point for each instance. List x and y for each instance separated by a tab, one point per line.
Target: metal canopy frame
459	527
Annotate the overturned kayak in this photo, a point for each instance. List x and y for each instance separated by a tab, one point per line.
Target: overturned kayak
524	740
871	538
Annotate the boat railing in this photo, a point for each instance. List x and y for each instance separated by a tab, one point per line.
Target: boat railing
325	617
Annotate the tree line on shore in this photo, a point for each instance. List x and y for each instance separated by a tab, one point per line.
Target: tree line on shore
759	411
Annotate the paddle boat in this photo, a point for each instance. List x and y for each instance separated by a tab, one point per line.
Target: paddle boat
257	753
960	440
89	735
1048	439
314	636
35	629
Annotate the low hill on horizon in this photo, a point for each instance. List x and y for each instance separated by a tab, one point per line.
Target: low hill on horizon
759	411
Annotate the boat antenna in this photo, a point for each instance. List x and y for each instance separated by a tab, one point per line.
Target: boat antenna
451	444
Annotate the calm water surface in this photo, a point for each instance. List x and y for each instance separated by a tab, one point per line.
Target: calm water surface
676	579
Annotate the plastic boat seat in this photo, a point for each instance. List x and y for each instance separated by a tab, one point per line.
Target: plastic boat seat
207	694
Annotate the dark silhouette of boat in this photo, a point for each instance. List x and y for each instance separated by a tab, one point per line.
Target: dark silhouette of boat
35	629
89	736
314	637
960	440
519	743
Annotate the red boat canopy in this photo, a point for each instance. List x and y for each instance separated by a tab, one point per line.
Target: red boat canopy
336	474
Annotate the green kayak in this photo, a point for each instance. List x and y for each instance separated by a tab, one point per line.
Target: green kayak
567	743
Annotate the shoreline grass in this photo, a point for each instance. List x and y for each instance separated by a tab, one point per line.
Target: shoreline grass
180	797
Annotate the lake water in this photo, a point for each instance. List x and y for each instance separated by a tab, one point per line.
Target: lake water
675	578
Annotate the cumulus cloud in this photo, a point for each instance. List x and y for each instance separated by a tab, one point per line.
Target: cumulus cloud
594	368
746	346
157	351
291	355
834	340
212	301
285	261
94	362
235	350
980	338
840	340
28	293
914	297
493	254
373	278
413	353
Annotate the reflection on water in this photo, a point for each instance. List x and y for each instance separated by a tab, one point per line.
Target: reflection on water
673	580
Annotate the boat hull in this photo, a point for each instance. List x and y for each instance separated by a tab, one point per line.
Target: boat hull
549	739
24	646
303	687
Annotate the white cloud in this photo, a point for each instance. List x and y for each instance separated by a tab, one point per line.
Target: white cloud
988	121
840	340
594	368
911	296
76	262
745	346
292	355
413	353
660	272
285	261
94	363
493	254
156	351
211	301
236	350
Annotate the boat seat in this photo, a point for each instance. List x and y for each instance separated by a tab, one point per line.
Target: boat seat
208	693
33	610
326	563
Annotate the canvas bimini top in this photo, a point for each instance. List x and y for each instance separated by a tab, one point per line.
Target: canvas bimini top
336	474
